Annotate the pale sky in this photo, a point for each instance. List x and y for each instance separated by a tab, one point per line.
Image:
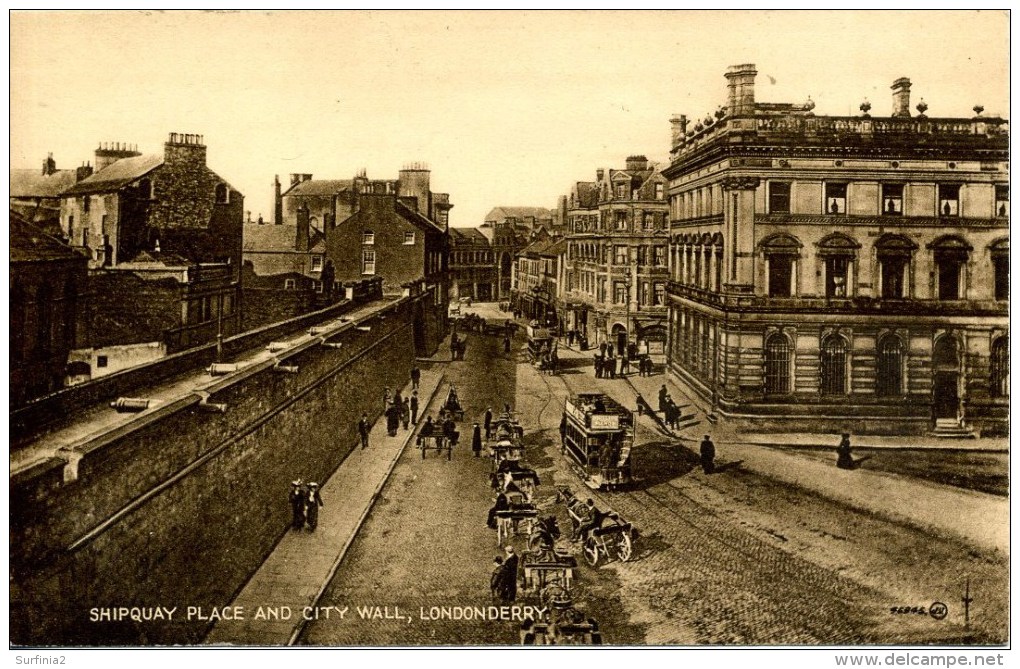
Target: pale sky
507	108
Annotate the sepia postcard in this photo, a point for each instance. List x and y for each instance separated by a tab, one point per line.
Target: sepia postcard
462	329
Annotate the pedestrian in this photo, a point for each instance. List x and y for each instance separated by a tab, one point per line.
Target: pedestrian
602	349
398	399
415	377
508	591
314	501
476	440
611	364
598	365
663	394
506	345
844	457
496	579
405	413
364	427
563	429
707	455
392	419
488	423
297	504
624	365
641	405
387	396
609	350
428	428
570	337
502	504
414	407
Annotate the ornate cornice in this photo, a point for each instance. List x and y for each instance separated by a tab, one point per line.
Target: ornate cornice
740	183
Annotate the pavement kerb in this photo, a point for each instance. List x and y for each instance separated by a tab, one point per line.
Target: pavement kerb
368	508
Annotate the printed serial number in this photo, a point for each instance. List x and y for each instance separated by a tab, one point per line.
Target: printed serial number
918	610
937	610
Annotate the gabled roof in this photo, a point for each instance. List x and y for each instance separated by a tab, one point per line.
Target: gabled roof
557	248
115	176
468	236
319	187
269	237
416	218
30	244
33	183
538	213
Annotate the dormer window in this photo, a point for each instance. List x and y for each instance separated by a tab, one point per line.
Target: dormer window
621	190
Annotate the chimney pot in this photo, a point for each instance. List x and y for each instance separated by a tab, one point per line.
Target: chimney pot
901	98
741	85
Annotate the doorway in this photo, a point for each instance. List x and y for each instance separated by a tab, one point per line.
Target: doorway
946	395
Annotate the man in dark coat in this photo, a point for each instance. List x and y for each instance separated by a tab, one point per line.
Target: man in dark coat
611	364
476	440
502	504
488	423
314	501
506	345
508	589
415	377
707	455
392	419
844	458
496	579
297	504
663	394
364	427
414	407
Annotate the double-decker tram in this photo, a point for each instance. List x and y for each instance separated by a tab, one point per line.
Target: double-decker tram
598	434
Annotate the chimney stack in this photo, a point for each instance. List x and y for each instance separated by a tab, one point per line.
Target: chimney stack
303	225
599	173
110	152
49	165
277	200
901	98
679	127
741	78
637	163
83	172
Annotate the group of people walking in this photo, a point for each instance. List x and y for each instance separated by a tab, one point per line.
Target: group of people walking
305	500
398	411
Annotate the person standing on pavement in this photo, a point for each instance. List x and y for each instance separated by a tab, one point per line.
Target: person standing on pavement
508	592
405	413
707	455
476	440
297	504
496	579
414	407
506	344
844	458
663	394
415	377
624	365
611	364
602	349
314	501
387	396
364	427
488	423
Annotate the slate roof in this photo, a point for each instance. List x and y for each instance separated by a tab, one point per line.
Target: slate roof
269	237
319	187
116	175
500	213
33	183
30	244
468	236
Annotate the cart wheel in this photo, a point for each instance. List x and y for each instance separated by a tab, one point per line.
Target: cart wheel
591	552
624	547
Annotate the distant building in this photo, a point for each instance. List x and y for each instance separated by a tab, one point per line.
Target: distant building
162	234
848	268
48	292
529	218
538	278
35	194
472	265
617	251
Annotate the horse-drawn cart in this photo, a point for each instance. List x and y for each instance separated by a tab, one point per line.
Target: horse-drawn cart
435	442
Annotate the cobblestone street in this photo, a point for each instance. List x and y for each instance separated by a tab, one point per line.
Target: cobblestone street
732	558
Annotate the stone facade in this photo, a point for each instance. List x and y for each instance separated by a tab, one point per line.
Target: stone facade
617	249
472	266
841	273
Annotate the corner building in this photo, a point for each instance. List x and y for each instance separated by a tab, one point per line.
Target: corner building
832	273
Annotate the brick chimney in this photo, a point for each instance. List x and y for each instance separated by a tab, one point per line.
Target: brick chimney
599	174
301	242
82	172
901	98
49	165
637	163
277	201
679	127
741	78
184	150
110	152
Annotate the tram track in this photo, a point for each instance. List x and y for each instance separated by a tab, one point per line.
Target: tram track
774	585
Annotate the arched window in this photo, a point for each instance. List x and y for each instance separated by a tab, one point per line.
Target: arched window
222	194
777	365
894	253
999	373
781	253
947	353
889	379
837	253
833	366
951	254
